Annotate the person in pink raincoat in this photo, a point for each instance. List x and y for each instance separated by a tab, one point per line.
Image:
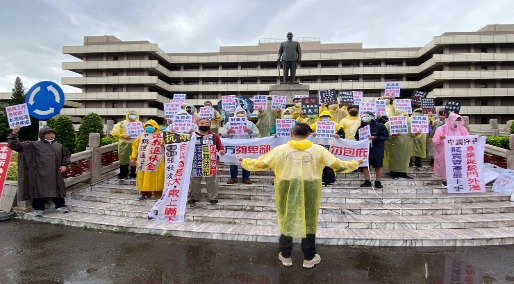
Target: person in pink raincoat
453	126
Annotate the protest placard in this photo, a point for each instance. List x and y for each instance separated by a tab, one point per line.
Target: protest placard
299	96
182	123
278	102
179	98
207	112
5	158
398	125
325	129
404	104
346	98
452	107
364	133
17	115
417	96
367	106
170	109
327	97
380	107
310	106
392	90
228	103
284	126
419	124
428	105
357	97
238	125
260	102
134	128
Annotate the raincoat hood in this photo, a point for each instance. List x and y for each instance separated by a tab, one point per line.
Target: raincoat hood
239	109
194	111
400	112
153	123
44	131
326	113
300	144
131	112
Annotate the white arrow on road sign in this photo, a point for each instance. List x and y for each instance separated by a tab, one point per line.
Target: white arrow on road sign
54	91
33	94
44	112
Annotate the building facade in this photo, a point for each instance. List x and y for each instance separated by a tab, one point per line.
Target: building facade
474	68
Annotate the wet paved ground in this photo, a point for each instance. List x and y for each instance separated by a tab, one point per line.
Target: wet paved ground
42	253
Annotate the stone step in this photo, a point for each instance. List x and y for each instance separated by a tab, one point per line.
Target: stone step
354	175
473	207
325	220
258	233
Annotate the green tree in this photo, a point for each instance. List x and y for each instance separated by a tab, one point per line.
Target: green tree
18	93
64	132
91	123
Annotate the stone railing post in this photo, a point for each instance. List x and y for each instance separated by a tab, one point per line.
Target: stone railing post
510	153
493	124
108	127
466	122
95	164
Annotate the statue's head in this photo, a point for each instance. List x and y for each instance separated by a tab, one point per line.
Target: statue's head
289	35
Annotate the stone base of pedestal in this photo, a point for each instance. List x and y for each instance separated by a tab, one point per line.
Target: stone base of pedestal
289	90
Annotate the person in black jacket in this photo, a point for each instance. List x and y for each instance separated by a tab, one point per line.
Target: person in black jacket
379	134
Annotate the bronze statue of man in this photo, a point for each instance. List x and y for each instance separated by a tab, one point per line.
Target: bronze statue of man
290	54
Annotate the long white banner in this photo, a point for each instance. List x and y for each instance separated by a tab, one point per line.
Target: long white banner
464	158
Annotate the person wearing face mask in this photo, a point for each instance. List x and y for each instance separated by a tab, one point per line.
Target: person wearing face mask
125	145
329	176
397	150
379	134
286	115
351	122
296	108
41	165
194	127
419	143
216	119
453	126
267	119
191	110
337	113
147	155
251	131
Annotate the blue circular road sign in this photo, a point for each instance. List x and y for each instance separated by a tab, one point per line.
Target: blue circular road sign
44	100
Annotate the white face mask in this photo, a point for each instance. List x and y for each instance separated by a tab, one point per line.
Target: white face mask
298	104
325	119
50	140
457	123
240	114
287	116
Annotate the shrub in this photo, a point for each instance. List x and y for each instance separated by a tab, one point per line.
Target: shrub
64	132
498	141
512	128
12	171
92	123
108	140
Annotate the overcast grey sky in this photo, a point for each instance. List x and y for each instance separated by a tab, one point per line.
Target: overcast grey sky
33	32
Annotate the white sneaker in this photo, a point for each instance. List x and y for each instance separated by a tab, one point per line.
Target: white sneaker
285	261
38	213
312	262
63	209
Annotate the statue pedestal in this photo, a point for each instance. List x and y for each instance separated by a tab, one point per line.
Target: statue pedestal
289	90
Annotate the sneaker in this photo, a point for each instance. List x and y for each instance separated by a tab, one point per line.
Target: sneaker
286	261
247	181
404	175
312	262
192	201
445	184
378	184
213	201
232	181
142	197
63	209
38	213
367	183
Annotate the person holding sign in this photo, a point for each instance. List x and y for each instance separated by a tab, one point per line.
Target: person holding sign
286	115
453	126
41	165
351	122
250	131
337	113
267	119
398	148
329	176
147	155
298	166
216	119
193	128
125	145
378	135
419	143
296	108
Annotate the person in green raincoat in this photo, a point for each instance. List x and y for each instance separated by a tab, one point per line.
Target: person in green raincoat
125	145
398	150
298	166
267	118
419	144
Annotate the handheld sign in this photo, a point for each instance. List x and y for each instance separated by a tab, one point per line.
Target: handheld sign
381	107
179	98
238	125
207	112
398	125
428	105
44	100
452	107
17	115
419	124
134	129
170	109
325	129
278	102
392	90
367	106
284	127
182	123
228	103
327	97
417	96
346	98
310	106
260	102
404	104
299	96
364	133
5	158
357	97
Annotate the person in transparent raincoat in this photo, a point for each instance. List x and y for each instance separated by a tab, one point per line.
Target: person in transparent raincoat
298	166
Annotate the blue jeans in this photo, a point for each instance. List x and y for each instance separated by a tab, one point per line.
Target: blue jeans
233	172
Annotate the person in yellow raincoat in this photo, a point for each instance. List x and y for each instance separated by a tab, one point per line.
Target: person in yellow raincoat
148	155
398	149
419	144
337	113
351	122
296	108
125	145
298	166
267	118
216	119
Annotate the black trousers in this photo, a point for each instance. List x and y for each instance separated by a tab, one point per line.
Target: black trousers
308	246
39	203
289	65
329	176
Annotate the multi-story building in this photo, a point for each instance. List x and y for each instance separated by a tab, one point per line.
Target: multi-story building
474	68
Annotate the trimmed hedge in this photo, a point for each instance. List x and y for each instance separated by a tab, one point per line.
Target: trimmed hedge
498	141
108	140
